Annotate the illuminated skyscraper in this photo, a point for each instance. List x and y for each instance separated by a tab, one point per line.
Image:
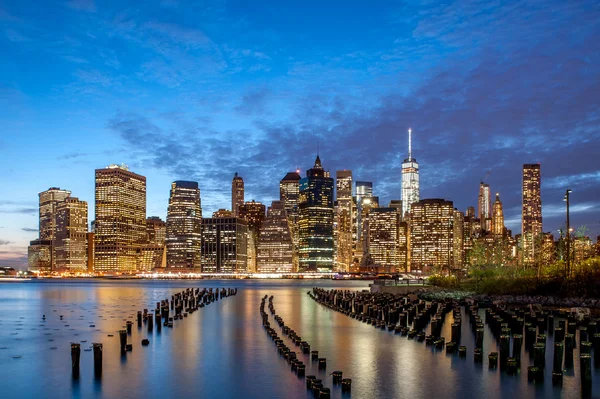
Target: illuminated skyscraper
531	224
39	256
120	223
184	226
289	192
71	235
343	220
458	239
254	214
410	179
384	240
497	218
364	191
275	246
49	201
315	230
484	203
222	213
432	234
237	194
157	230
224	245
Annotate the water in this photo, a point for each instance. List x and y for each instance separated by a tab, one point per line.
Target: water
222	351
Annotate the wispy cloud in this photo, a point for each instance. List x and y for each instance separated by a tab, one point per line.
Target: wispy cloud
82	5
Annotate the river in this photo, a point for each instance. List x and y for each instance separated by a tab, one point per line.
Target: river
223	351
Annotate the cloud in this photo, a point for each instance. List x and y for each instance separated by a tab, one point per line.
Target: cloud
30	230
82	5
254	102
24	211
15	36
5	242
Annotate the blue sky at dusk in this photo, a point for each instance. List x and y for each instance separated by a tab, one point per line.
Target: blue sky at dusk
200	90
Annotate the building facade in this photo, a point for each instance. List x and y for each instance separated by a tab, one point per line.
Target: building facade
39	256
237	194
484	206
344	229
315	225
156	230
432	234
120	219
498	229
386	247
275	246
224	245
184	226
410	179
48	203
71	235
531	223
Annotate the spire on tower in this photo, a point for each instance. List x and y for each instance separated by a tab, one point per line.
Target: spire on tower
409	143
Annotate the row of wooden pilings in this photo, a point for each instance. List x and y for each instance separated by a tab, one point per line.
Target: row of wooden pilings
182	304
399	312
313	384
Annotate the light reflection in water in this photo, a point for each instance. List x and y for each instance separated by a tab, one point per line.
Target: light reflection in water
222	351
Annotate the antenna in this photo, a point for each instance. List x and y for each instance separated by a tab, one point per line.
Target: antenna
409	143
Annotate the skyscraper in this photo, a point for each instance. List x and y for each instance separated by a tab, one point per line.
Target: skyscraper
497	218
432	234
184	226
120	223
531	224
254	214
410	179
156	229
364	192
289	192
71	235
224	245
484	204
458	239
384	240
275	245
315	226
343	220
237	194
49	201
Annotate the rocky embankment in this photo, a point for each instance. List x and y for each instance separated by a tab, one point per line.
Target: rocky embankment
440	293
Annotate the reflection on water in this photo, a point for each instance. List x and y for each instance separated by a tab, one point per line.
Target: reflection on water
222	351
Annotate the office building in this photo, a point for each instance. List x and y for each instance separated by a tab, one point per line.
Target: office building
224	245
410	179
315	225
384	241
432	234
498	229
275	247
156	230
237	194
39	256
344	229
184	226
71	235
48	203
531	223
484	203
120	222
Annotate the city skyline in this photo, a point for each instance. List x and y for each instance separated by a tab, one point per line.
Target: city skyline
360	90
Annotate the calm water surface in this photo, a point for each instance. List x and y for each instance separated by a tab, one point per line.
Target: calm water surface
222	351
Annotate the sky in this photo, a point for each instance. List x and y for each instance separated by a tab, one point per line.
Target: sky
187	90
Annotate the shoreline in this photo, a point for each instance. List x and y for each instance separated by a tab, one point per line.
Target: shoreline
434	293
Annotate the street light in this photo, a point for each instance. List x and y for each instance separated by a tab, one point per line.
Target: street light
567	195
